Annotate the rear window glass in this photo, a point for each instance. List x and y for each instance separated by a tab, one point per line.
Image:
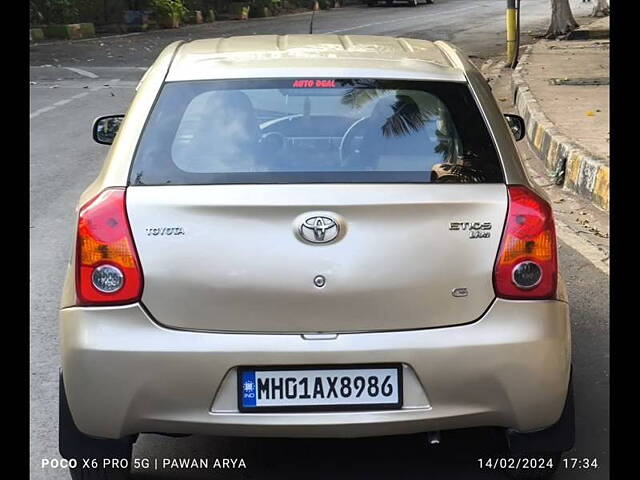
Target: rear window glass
315	131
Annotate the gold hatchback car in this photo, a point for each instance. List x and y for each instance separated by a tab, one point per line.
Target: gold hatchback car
313	236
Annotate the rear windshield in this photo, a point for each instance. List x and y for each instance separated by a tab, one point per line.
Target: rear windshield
315	131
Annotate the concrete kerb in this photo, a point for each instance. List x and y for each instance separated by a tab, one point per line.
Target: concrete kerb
186	27
598	29
584	173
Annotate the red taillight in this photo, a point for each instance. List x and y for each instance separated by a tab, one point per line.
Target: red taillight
529	240
107	268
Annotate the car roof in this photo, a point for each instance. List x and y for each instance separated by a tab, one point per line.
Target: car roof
308	56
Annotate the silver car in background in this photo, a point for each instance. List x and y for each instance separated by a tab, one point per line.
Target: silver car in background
313	236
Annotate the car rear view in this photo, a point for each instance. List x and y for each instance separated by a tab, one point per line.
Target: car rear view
291	229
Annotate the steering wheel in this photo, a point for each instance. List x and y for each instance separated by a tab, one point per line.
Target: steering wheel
347	139
273	142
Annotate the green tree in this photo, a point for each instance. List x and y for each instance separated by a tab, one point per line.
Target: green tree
169	8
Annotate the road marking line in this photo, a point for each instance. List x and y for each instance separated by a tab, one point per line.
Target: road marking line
82	72
374	24
55	105
40	111
413	17
584	248
60	103
121	84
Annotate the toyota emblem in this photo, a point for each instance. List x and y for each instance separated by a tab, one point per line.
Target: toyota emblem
319	229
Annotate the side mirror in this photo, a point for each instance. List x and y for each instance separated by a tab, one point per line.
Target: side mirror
105	128
516	124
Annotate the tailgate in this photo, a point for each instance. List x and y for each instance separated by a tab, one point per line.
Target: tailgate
228	258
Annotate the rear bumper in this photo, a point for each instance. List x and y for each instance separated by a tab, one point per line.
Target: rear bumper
125	374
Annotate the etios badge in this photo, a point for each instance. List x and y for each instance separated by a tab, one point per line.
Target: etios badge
319	229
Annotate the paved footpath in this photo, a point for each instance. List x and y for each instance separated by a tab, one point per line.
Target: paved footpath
561	88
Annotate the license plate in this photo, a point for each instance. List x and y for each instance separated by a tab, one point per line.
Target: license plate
304	388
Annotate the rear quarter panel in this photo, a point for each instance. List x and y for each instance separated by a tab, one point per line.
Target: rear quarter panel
115	169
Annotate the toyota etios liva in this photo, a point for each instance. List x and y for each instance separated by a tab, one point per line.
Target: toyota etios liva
290	229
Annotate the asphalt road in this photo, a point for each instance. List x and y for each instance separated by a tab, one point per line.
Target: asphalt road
64	160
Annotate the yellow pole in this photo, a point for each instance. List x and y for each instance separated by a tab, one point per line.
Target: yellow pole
511	31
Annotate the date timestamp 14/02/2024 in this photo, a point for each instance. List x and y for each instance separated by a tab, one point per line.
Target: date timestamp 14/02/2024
570	463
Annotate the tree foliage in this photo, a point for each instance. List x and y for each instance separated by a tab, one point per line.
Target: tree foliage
168	8
54	11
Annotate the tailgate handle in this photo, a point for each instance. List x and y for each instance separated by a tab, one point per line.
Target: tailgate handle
319	336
